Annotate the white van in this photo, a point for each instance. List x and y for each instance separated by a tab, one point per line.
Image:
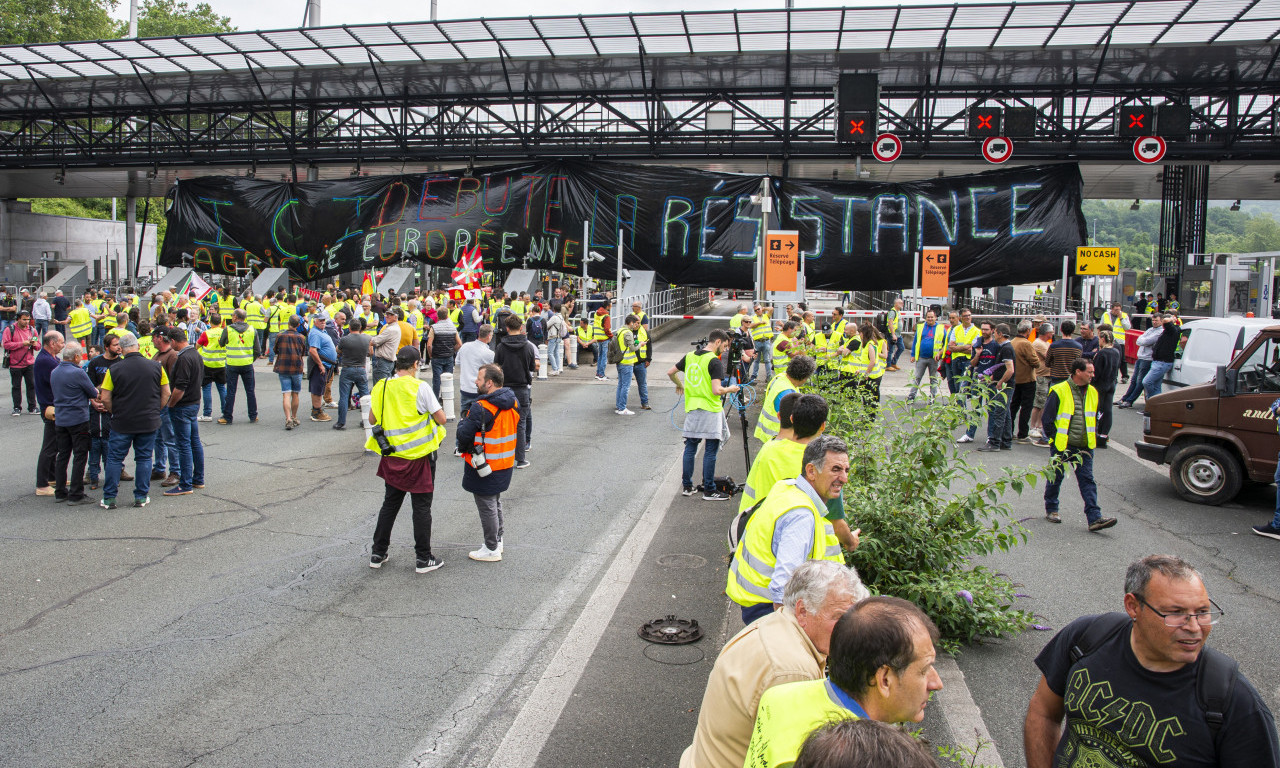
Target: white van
1209	343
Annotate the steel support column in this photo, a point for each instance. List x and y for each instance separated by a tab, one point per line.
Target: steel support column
1184	206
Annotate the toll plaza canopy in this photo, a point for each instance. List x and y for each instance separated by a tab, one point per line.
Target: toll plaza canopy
745	91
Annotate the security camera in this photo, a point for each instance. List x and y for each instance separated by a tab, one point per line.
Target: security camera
593	256
626	273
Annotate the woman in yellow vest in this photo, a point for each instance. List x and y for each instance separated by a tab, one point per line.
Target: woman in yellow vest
80	323
408	427
874	353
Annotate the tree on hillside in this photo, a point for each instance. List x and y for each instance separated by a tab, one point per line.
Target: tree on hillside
46	21
170	18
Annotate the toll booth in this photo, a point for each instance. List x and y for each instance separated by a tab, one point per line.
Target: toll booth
72	281
397	280
1228	284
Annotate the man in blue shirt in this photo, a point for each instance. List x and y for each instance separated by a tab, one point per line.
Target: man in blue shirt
324	356
72	391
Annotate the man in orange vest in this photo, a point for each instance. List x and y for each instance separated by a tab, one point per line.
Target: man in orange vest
487	441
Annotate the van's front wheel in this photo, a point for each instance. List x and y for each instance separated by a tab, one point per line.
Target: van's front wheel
1206	474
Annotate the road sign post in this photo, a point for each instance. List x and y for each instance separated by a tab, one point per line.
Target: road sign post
1095	260
935	272
781	260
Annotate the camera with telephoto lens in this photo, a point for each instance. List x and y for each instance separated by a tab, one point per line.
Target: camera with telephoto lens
478	461
384	445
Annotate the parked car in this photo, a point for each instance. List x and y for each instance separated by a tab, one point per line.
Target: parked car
1209	343
1215	436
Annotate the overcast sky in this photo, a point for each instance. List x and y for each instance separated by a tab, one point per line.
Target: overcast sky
282	14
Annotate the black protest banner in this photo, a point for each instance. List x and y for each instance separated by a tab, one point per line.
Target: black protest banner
691	227
1004	227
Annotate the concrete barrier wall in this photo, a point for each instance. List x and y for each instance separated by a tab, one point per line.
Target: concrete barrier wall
25	236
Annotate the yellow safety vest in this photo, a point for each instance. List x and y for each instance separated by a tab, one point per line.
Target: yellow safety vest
109	321
754	560
455	316
777	460
874	348
239	347
735	322
631	356
118	332
146	347
854	363
780	358
598	332
584	335
395	405
787	714
415	319
214	354
226	305
763	332
253	316
892	321
961	336
518	309
80	323
939	341
769	424
279	319
1067	409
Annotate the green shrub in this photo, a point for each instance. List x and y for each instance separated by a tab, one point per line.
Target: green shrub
926	511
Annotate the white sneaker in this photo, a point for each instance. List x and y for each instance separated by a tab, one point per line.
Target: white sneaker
485	555
965	439
499	546
625	412
204	418
1035	434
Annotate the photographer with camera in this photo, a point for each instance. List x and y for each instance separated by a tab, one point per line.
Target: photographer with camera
487	441
703	418
408	427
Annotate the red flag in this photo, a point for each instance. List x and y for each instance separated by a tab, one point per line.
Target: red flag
469	268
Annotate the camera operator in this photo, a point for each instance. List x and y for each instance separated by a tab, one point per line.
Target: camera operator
704	419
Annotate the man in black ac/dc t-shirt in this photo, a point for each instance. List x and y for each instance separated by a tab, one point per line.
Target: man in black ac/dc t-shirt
1132	701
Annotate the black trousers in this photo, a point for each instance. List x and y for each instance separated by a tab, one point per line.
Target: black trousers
391	503
1106	401
1024	396
19	376
48	454
73	450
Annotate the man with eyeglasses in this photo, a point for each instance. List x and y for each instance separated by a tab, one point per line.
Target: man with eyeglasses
1140	688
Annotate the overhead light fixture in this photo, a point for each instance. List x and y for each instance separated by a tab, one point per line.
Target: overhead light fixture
1235	206
1136	205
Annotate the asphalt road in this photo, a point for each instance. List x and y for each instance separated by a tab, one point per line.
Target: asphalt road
242	625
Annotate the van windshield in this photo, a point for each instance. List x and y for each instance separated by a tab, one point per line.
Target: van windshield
1260	371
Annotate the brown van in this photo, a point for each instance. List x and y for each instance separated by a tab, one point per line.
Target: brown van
1215	436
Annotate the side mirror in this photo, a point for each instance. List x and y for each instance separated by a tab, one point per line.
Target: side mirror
1225	381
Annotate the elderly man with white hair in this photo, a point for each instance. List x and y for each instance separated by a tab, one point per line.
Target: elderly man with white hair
133	391
72	391
787	646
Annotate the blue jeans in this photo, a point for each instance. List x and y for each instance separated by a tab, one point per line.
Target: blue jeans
1084	479
271	347
1152	382
97	455
1275	521
440	365
208	396
999	425
117	447
234	374
756	611
1140	369
382	369
764	359
41	327
555	355
348	379
602	352
166	453
708	462
524	429
186	433
6	324
954	369
896	348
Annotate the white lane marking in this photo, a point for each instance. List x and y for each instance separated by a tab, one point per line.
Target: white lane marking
1126	451
962	715
528	734
452	732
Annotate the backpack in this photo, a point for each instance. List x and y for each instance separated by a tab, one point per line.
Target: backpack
614	353
1215	677
537	333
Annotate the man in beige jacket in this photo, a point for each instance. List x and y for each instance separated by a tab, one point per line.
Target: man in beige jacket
787	646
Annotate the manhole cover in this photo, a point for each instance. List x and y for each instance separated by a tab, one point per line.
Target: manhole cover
681	561
670	631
